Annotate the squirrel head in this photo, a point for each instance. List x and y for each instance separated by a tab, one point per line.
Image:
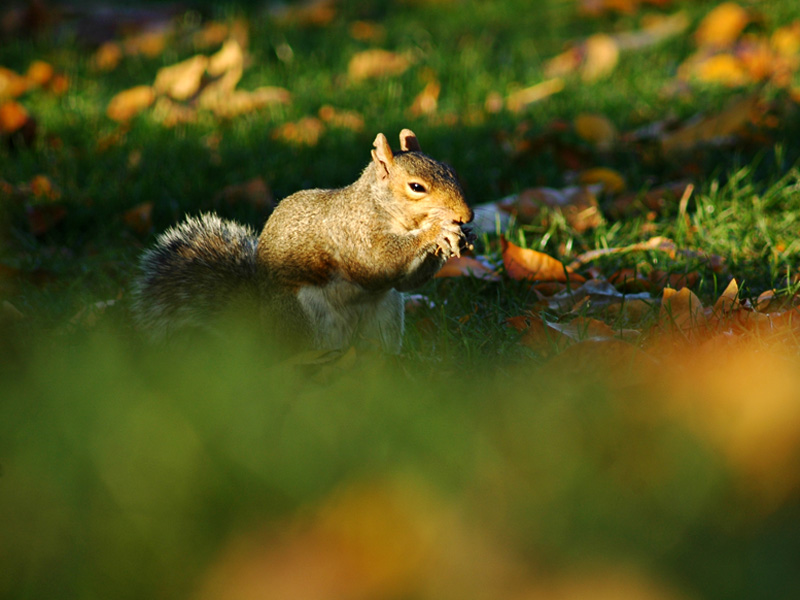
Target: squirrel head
424	185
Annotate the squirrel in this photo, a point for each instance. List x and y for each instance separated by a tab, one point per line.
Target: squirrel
330	266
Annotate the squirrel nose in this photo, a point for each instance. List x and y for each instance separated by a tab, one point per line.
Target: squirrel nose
466	219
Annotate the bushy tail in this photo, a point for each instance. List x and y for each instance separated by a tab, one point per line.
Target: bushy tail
196	271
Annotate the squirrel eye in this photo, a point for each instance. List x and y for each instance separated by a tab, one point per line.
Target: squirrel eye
417	187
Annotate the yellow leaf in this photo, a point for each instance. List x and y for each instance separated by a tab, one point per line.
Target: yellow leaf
129	103
305	132
722	25
376	63
13	117
344	119
12	84
518	100
596	129
786	40
107	56
181	81
602	55
427	100
613	182
721	68
729	300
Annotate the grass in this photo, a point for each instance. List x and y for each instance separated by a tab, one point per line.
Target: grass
131	471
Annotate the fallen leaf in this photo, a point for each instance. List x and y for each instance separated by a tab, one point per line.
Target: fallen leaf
211	34
720	27
107	57
240	102
729	299
367	31
316	13
564	64
466	266
613	182
170	113
519	100
59	84
786	40
722	68
150	43
377	63
13	117
602	55
596	129
182	80
40	72
43	188
581	328
12	84
127	104
305	132
577	204
228	58
427	100
713	128
344	119
681	310
526	264
140	218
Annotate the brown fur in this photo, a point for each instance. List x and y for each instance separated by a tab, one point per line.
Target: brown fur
328	265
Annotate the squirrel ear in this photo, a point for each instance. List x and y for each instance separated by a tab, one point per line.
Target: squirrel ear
409	142
382	155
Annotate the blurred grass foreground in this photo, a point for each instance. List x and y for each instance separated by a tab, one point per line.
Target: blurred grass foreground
472	467
600	474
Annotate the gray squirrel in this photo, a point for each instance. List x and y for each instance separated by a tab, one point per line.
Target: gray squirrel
329	268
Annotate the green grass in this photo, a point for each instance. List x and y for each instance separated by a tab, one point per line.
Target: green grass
126	469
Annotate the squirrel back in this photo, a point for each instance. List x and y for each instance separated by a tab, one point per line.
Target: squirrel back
329	266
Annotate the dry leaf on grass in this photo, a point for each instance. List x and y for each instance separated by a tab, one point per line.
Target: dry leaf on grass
182	80
613	181
714	128
519	100
466	266
13	117
722	26
107	57
40	73
316	13
305	132
427	100
12	84
377	63
602	55
577	204
527	264
344	119
596	129
127	104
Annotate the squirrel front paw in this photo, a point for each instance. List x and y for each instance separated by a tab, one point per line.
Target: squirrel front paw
453	240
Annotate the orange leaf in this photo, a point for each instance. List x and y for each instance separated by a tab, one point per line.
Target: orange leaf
40	72
584	327
722	25
12	84
466	266
107	57
13	117
524	263
42	187
377	63
129	103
